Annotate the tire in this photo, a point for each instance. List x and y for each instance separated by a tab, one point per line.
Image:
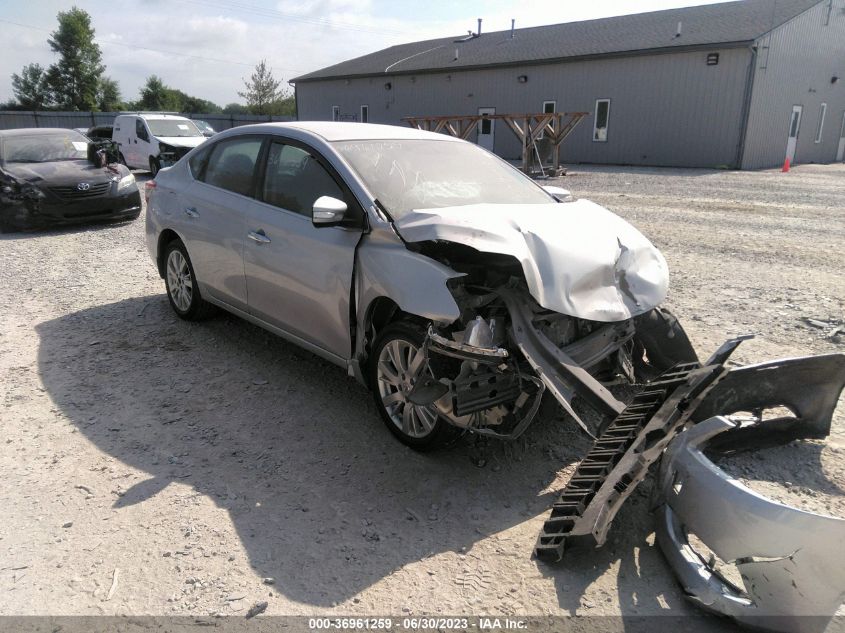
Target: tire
180	282
663	340
391	363
154	166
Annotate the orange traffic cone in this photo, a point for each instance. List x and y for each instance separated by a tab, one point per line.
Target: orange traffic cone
785	165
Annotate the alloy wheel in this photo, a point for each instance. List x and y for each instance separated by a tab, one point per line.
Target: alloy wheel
180	284
400	364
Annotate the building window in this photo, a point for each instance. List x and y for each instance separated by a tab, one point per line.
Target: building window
365	114
335	113
486	125
601	120
549	107
822	113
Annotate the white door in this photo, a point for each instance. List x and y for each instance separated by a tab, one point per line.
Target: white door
840	153
794	126
486	128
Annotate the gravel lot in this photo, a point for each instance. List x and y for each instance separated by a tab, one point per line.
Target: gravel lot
153	466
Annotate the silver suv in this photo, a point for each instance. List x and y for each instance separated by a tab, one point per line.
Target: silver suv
452	285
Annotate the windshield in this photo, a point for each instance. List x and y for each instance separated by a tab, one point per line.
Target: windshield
173	127
425	174
44	148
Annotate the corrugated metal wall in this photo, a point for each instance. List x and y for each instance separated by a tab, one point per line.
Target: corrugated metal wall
668	109
14	119
795	66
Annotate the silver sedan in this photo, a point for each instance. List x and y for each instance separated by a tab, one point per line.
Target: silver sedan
452	285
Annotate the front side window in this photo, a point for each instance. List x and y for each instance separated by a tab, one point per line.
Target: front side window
141	131
601	120
231	165
294	180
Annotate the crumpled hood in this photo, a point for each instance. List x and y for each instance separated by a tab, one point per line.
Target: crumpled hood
578	258
181	141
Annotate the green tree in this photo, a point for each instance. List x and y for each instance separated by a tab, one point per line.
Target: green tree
30	87
157	96
75	79
284	106
262	89
108	96
235	108
195	104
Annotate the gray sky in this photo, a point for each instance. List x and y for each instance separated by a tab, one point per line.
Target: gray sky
206	47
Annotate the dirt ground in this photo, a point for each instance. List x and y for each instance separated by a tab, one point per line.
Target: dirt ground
153	466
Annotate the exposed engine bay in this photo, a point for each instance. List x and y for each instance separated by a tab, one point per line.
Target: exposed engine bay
491	367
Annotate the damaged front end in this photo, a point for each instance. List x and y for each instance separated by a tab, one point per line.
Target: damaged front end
571	317
490	368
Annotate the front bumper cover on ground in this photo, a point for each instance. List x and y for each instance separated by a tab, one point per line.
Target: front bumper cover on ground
791	561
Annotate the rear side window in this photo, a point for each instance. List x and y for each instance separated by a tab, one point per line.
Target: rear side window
295	179
198	161
231	165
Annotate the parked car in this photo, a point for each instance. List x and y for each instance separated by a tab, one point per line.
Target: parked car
205	128
419	262
48	176
152	141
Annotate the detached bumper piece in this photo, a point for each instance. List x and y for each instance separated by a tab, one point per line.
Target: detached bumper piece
622	454
792	562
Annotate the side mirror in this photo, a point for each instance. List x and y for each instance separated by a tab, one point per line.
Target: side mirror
559	193
328	211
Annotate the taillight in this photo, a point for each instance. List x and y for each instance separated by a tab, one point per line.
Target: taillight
148	189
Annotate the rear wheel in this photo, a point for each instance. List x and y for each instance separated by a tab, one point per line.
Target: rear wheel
397	362
182	289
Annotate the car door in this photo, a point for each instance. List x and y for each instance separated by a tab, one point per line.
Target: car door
142	145
213	216
298	276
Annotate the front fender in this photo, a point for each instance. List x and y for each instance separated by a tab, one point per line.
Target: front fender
416	283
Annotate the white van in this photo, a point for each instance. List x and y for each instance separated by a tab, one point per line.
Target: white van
152	141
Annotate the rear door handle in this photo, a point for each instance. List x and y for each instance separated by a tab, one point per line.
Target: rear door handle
258	236
192	212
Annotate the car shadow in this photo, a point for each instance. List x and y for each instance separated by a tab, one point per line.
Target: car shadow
323	498
68	229
286	442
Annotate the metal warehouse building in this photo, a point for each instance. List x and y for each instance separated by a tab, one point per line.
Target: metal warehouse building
740	84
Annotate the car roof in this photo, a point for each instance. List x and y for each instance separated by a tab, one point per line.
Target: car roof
33	131
155	116
342	131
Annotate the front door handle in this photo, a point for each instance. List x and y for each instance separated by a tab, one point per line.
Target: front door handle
192	212
258	236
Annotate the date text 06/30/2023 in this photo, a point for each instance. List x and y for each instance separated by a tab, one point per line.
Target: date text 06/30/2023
417	624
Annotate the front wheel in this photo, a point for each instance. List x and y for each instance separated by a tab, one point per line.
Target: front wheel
182	289
396	364
154	166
